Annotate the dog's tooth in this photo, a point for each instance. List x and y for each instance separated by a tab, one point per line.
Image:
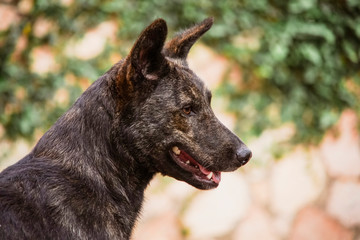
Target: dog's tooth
188	162
209	176
176	150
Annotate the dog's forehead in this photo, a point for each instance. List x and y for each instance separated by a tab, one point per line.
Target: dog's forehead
200	85
182	66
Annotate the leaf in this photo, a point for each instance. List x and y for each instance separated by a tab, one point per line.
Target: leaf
279	51
350	51
298	6
305	30
328	118
311	53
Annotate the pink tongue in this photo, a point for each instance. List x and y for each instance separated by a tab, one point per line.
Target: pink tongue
216	177
203	170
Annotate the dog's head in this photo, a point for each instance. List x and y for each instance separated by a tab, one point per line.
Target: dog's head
166	116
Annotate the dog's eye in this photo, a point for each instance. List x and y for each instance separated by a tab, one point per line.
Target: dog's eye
187	110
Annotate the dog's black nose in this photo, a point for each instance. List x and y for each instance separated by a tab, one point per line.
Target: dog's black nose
243	155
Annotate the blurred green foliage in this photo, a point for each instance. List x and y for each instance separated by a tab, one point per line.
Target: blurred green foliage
299	58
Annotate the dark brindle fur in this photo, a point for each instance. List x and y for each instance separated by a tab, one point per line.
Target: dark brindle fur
86	177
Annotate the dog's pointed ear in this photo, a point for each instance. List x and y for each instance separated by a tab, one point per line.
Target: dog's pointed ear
180	45
145	58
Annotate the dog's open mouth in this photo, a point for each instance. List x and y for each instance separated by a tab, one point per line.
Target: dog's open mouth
186	162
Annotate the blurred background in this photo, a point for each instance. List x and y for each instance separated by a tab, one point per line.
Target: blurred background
284	75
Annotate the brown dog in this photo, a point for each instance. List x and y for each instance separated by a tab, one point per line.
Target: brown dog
86	177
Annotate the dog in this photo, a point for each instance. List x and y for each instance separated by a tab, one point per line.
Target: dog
86	176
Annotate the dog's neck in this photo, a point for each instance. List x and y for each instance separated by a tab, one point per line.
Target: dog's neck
84	134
